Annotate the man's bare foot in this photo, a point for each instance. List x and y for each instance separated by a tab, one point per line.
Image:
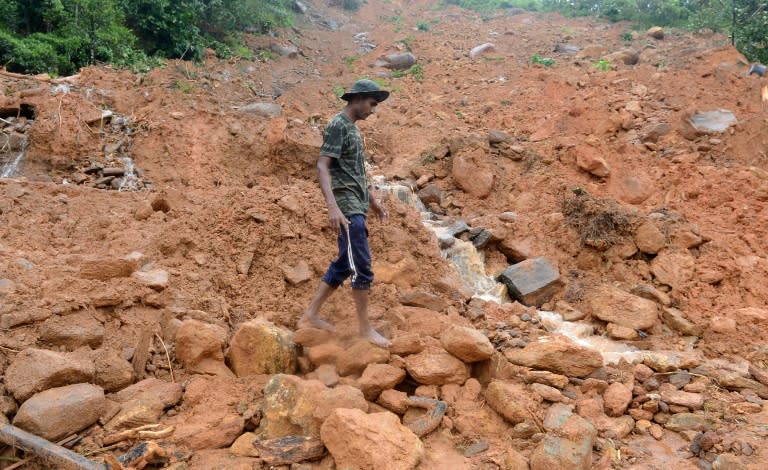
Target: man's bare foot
315	322
375	337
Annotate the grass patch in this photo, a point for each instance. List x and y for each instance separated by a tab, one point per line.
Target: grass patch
338	90
350	61
493	58
422	26
265	55
416	71
600	223
602	65
183	86
545	61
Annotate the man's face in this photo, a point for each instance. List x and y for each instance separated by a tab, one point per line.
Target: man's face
365	106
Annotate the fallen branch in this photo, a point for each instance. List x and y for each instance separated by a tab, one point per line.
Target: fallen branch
167	356
46	450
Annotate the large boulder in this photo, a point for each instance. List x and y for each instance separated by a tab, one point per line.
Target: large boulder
357	357
259	347
370	442
533	281
466	343
567	444
59	412
379	377
436	367
557	354
200	347
297	407
613	305
471	173
34	370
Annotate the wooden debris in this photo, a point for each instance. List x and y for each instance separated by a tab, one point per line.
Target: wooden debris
63	459
141	356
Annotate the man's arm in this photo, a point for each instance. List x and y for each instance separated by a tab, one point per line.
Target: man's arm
336	219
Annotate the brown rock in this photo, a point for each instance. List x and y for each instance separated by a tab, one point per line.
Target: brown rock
719	324
299	274
259	347
548	393
243	445
431	194
621	332
112	371
34	370
589	159
568	445
436	368
471	173
516	249
290	450
327	374
616	399
296	407
143	403
546	378
199	346
466	343
615	428
728	462
514	460
694	401
634	189
405	344
59	412
557	354
327	353
309	337
616	306
424	300
647	292
673	268
72	331
370	442
378	377
357	357
649	238
394	400
416	320
624	56
501	397
655	32
567	311
105	269
676	319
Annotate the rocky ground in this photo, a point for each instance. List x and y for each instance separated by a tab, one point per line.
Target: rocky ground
164	232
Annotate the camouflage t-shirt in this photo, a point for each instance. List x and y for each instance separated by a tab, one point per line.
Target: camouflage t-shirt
344	146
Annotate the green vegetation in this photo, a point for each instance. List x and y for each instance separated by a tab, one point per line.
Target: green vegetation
183	86
416	71
338	90
422	26
265	55
627	36
603	65
350	61
60	36
545	61
350	5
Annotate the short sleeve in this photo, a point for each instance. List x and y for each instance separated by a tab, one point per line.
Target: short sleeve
333	140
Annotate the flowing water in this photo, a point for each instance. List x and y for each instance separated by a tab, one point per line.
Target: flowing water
13	167
130	180
470	265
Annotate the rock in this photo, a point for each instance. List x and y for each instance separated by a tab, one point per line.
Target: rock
378	377
568	445
615	428
649	238
7	287
616	399
673	268
143	403
694	401
689	422
720	324
34	370
72	331
285	50
259	347
533	282
424	300
467	344
59	412
309	337
501	397
106	269
713	121
243	445
567	48
624	56
592	52
431	194
113	373
296	407
589	159
669	361
376	441
436	368
477	51
727	462
651	293
557	354
264	110
327	353
299	274
546	378
548	393
409	343
656	32
497	137
394	400
327	374
398	61
357	357
289	450
199	346
616	306
471	173
156	279
514	460
516	249
621	332
676	319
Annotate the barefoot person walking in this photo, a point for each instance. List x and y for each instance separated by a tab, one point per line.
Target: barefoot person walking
342	177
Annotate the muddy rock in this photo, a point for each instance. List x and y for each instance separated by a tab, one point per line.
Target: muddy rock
143	403
616	306
199	346
297	407
533	281
259	347
435	367
468	344
327	353
546	378
614	428
105	269
649	238
694	401
616	399
424	300
421	321
501	396
567	445
357	357
471	173
72	331
398	61
514	460
378	377
669	361
547	393
621	332
59	412
112	371
327	374
673	268
34	370
478	51
298	274
689	422
264	110
394	400
588	158
624	56
592	52
243	445
727	462
359	440
431	193
405	344
656	32
557	354
677	320
309	337
156	279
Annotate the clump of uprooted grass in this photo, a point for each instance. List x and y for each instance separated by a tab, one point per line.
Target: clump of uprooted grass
601	223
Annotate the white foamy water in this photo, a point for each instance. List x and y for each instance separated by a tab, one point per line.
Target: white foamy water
13	167
130	180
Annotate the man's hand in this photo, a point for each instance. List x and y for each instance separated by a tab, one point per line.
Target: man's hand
336	219
378	209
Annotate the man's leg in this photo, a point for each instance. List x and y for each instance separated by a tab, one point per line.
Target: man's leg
310	317
366	330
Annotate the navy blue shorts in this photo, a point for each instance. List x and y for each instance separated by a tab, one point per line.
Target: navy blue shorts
358	266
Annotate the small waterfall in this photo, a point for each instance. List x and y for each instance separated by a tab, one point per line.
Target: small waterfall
130	180
13	167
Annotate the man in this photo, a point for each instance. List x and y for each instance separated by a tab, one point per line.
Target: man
348	194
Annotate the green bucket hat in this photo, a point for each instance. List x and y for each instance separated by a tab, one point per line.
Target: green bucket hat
367	88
